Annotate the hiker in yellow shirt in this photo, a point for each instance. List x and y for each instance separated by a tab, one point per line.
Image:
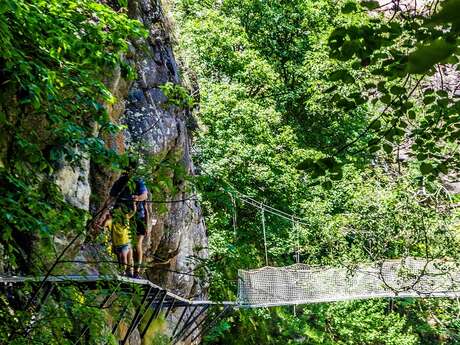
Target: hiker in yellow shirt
118	223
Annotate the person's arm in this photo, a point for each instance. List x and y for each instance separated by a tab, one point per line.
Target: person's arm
141	197
133	212
107	225
103	219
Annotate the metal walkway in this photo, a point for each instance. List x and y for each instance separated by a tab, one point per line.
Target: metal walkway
265	287
196	318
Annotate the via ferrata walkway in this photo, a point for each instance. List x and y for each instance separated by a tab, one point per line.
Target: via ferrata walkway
264	287
195	317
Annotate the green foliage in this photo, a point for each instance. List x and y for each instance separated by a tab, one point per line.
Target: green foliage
370	5
398	56
290	94
177	95
359	322
369	322
55	58
426	56
69	316
155	334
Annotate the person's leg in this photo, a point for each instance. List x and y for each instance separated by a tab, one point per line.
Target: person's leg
130	270
138	250
138	254
124	258
119	258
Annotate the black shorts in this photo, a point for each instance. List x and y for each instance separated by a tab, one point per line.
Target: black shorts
141	228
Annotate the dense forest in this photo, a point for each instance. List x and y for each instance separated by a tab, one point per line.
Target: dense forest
323	132
337	113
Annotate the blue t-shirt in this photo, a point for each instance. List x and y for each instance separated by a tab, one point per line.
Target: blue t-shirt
140	189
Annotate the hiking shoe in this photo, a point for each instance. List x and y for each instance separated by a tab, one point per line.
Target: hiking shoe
137	276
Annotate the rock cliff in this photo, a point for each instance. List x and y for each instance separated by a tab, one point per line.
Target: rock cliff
178	241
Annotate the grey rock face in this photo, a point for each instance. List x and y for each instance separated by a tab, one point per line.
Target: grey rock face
74	184
178	240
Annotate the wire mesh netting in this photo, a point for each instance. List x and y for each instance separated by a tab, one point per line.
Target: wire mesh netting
302	284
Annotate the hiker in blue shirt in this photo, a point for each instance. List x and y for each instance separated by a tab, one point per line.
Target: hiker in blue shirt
123	194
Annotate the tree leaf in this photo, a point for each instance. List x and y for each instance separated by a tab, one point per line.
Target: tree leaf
370	5
349	7
397	90
327	185
376	125
442	167
387	148
385	99
426	168
429	100
426	56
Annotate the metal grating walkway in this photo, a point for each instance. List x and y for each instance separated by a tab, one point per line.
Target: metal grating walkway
196	318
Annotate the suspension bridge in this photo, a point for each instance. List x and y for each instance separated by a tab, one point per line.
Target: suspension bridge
298	284
265	287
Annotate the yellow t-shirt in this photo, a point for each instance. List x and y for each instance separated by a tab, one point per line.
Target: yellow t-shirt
120	233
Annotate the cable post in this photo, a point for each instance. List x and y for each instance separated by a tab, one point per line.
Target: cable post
295	228
234	213
265	235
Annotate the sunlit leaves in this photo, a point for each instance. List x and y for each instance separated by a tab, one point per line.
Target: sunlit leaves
55	57
252	139
177	95
396	57
426	56
448	14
